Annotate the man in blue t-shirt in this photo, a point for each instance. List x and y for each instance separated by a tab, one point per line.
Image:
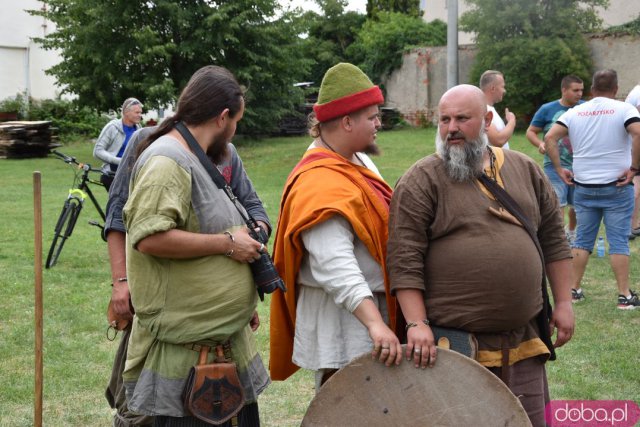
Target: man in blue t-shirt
545	117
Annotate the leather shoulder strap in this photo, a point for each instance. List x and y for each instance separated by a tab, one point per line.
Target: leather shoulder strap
512	206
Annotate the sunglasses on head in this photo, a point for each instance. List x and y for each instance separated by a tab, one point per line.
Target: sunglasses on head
130	103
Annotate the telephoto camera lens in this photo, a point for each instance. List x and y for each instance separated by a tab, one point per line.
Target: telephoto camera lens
266	276
264	272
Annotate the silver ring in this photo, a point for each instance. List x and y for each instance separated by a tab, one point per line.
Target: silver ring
417	350
261	247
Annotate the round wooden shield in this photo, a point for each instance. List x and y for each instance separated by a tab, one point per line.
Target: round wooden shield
457	391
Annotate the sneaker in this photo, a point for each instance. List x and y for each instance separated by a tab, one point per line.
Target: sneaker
632	236
630	303
577	295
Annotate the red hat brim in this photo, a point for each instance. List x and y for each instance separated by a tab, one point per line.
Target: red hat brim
348	104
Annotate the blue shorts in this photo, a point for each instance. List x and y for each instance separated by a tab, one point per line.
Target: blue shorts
563	191
611	204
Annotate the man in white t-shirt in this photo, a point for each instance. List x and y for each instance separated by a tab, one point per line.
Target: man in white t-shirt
634	99
492	85
605	135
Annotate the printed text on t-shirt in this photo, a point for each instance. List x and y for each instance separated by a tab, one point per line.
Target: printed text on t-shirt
595	113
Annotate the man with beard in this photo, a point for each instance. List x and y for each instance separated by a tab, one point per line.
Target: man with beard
187	258
232	169
331	240
456	261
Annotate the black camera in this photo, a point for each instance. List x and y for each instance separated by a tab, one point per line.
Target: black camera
264	272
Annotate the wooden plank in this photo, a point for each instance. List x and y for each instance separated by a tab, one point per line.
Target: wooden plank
23	139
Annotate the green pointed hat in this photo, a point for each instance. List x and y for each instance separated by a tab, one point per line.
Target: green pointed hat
345	89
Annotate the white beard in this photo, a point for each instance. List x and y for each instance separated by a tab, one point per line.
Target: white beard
463	163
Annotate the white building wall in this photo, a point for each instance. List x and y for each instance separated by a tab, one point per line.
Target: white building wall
12	70
437	9
22	62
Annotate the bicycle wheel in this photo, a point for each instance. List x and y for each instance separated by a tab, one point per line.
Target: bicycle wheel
64	228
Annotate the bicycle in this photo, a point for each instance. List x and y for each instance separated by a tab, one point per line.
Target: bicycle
73	206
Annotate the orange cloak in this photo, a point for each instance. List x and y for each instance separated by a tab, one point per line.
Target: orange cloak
321	185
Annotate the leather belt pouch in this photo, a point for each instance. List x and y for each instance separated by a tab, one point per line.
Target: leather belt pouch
213	392
457	340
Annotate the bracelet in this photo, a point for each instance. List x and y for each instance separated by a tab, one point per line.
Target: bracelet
636	170
230	252
121	279
412	324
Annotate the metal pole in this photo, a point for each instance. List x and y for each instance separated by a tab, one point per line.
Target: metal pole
37	220
27	75
452	43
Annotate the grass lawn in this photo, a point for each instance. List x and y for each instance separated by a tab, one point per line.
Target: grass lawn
599	363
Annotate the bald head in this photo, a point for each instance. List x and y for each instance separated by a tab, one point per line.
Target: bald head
461	141
462	114
464	94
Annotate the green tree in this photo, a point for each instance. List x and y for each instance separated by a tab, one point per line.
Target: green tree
534	43
329	34
149	48
408	7
381	42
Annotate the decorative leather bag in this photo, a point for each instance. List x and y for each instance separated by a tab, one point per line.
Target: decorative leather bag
213	392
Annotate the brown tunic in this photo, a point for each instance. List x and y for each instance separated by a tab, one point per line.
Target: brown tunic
478	272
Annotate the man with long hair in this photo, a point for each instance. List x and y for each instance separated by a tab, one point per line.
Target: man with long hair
188	251
233	171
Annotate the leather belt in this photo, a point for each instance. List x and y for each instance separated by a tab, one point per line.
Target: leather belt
596	185
226	345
